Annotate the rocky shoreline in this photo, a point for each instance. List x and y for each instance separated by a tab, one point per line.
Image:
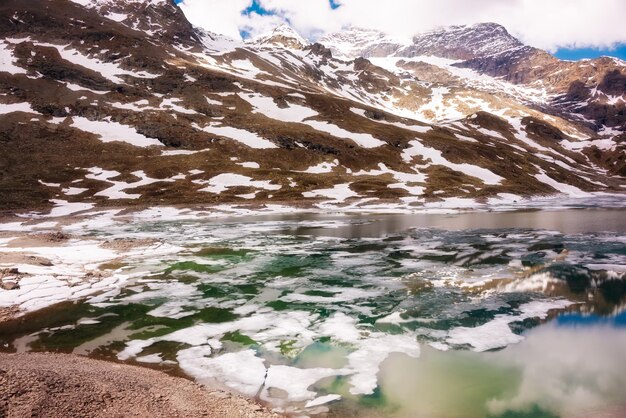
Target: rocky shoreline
54	385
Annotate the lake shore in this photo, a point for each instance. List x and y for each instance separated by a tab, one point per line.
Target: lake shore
45	384
52	384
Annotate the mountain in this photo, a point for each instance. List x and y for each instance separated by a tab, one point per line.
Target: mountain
124	102
465	42
357	42
281	36
455	42
590	91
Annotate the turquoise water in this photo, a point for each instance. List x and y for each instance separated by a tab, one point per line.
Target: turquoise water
474	315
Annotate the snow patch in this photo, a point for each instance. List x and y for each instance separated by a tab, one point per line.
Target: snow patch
247	138
418	149
339	192
113	131
225	181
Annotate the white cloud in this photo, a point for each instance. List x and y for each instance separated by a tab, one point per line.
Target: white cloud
225	17
309	17
219	16
547	24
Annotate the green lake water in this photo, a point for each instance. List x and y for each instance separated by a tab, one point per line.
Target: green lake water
501	314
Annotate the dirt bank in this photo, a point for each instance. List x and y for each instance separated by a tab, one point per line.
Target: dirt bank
63	385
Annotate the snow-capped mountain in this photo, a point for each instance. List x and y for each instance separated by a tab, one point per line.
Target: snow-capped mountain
455	42
125	102
464	42
356	42
283	35
583	90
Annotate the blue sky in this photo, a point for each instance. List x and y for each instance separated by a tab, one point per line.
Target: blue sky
580	53
256	8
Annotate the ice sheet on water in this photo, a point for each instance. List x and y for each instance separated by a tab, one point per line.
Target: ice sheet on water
497	333
371	296
242	371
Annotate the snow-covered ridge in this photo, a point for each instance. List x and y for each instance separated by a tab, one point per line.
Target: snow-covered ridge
283	35
466	41
479	40
357	42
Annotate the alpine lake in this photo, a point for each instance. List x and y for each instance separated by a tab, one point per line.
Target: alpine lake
471	314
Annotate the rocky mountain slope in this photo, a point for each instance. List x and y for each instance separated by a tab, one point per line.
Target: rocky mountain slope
123	102
455	42
588	91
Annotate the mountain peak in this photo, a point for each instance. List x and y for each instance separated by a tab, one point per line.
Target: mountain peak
464	42
496	28
353	42
461	42
282	35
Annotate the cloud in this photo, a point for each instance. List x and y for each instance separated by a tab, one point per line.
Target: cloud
219	16
547	24
310	17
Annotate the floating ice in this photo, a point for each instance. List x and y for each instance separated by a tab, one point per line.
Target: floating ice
242	371
295	382
497	333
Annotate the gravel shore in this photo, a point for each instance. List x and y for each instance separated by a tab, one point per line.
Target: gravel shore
64	385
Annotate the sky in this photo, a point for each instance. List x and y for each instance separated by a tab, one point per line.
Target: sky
571	29
580	53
